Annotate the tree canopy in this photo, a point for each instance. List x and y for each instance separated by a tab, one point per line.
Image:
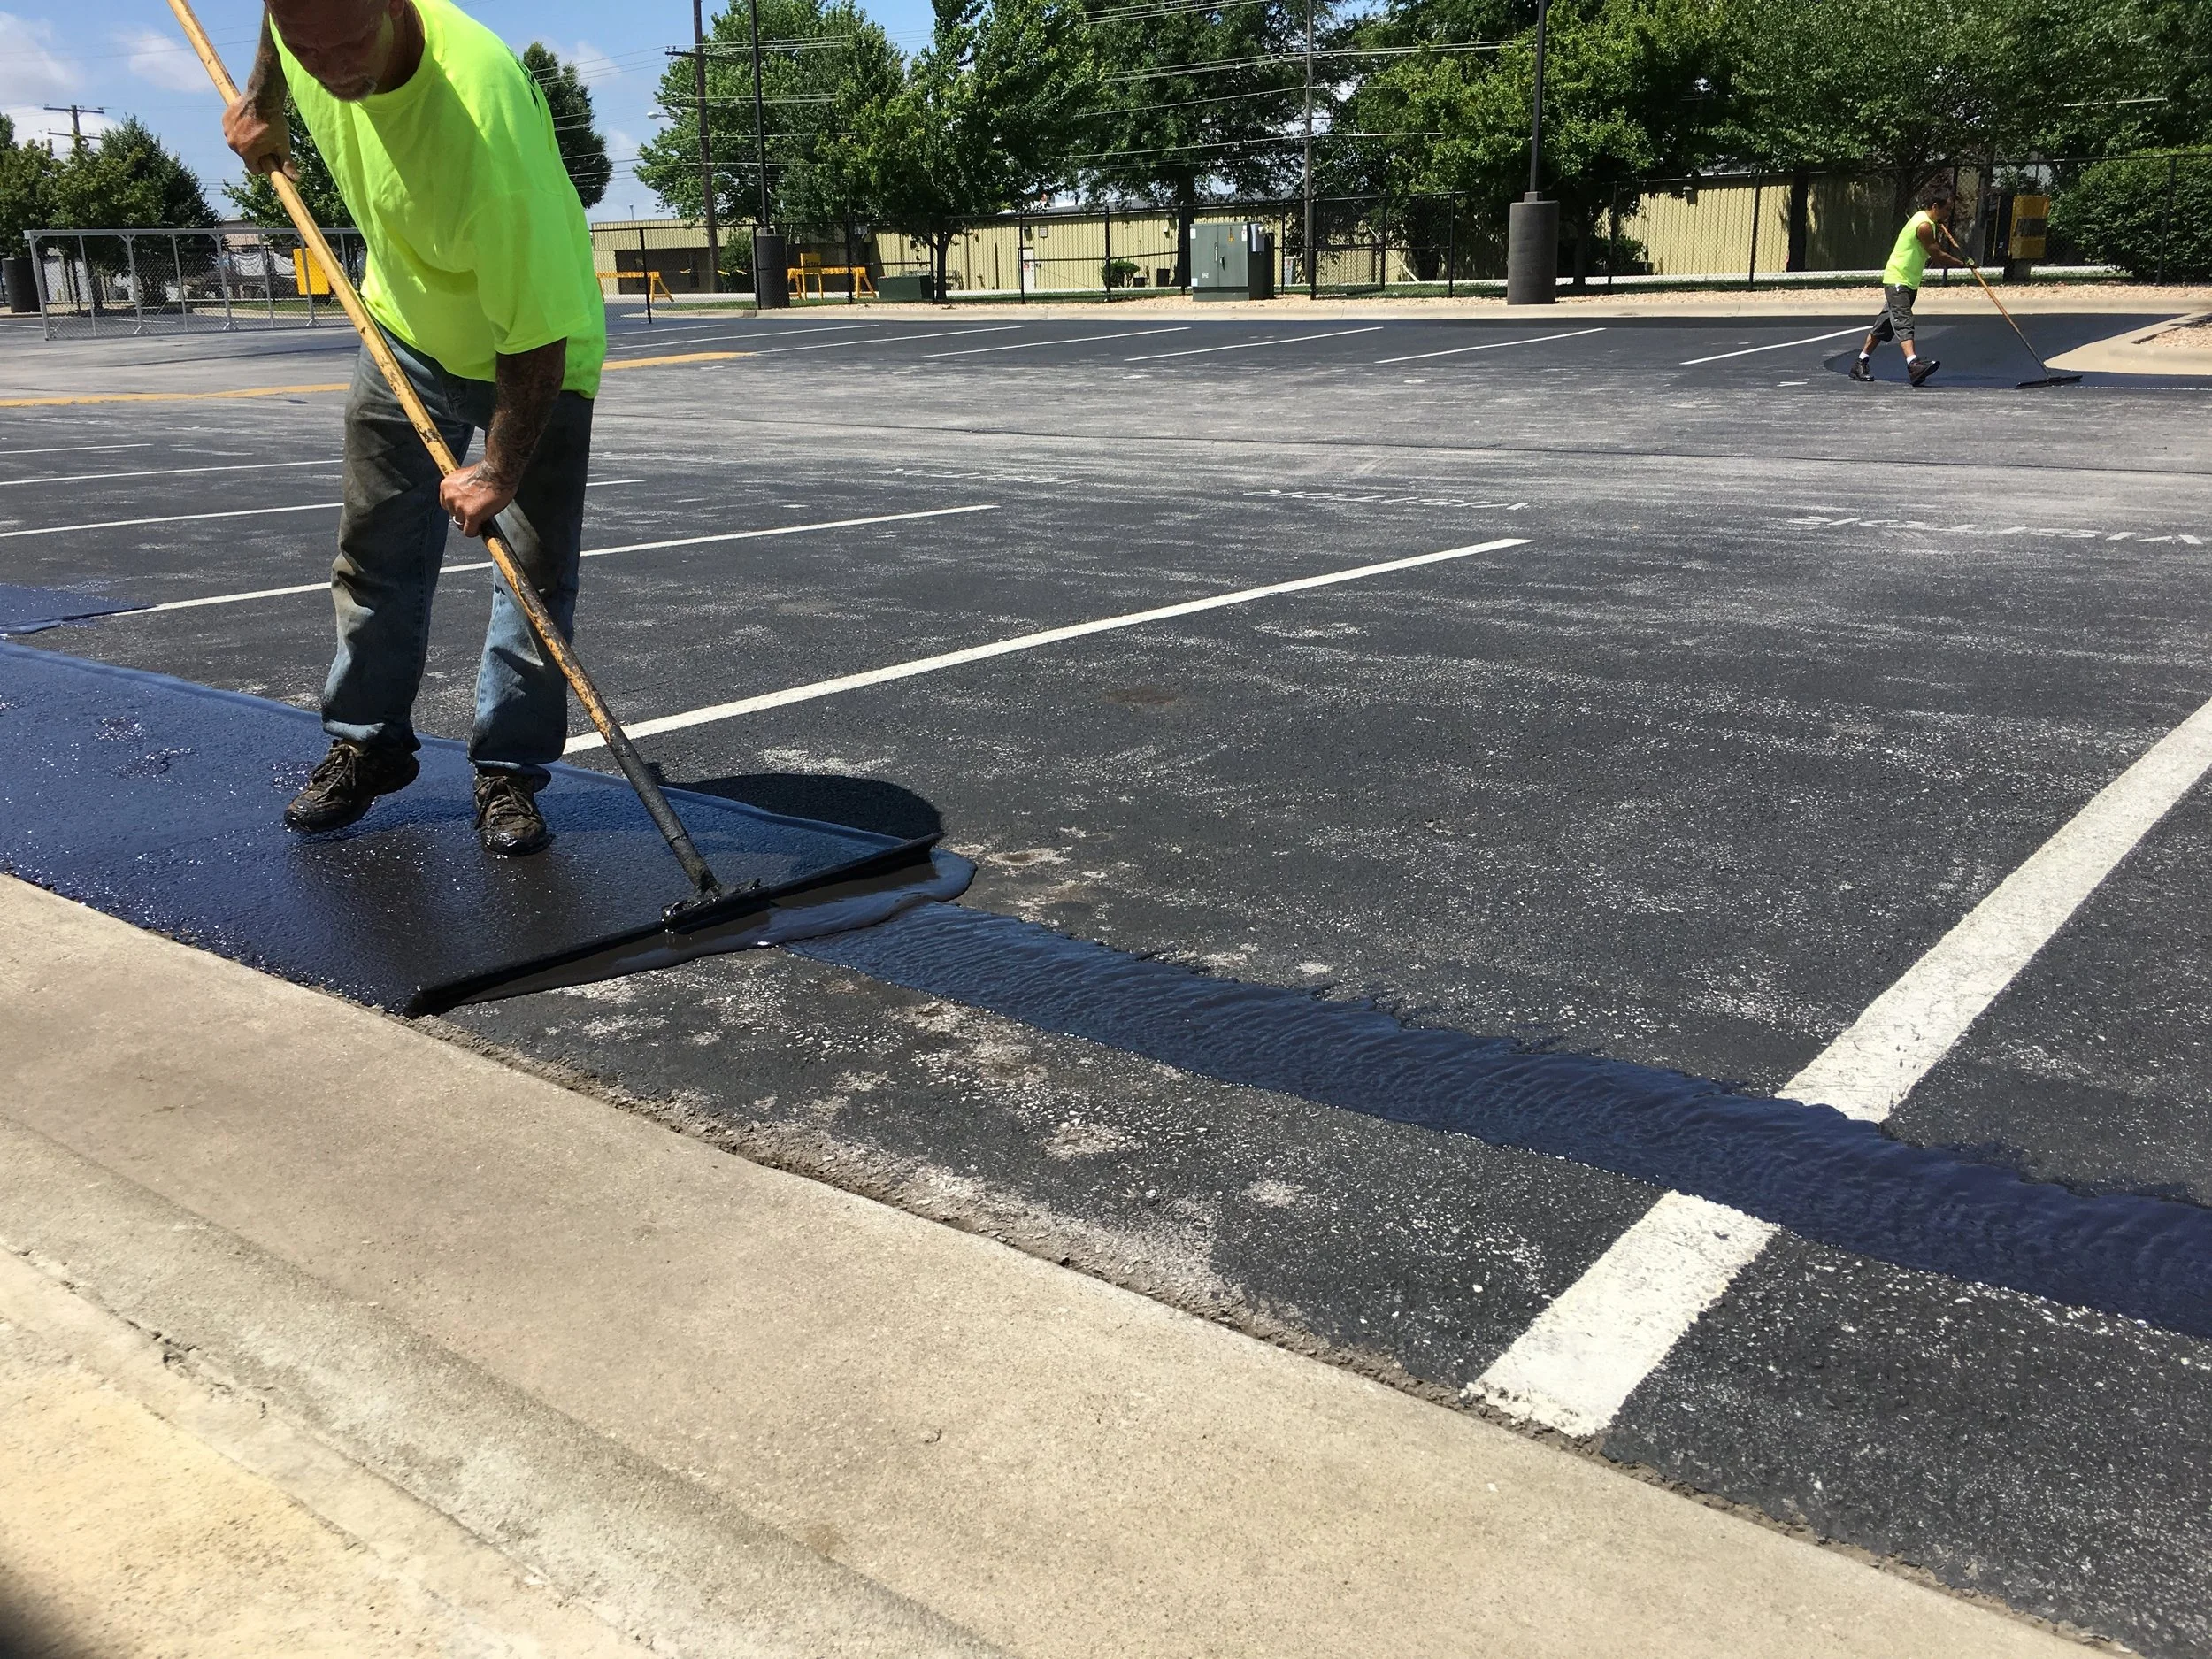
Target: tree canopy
1183	101
583	151
256	198
125	179
827	73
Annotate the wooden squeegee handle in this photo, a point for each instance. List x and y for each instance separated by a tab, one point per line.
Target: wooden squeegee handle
2002	310
526	595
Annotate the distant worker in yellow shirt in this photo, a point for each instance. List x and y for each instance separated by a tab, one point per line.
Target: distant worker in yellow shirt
479	273
1900	284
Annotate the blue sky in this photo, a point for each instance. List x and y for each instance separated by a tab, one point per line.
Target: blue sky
128	56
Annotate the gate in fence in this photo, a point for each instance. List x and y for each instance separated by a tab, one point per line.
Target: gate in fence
91	283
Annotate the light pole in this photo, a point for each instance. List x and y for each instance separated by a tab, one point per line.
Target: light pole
706	144
1532	244
769	253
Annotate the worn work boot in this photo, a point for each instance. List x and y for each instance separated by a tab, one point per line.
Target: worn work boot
1921	369
508	821
343	787
1861	369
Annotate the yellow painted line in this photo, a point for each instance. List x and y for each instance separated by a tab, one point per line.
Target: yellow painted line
165	397
330	386
681	356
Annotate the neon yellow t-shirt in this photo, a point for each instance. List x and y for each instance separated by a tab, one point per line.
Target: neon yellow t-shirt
1909	260
476	239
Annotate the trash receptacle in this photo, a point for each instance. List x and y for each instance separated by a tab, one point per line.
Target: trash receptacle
772	271
20	285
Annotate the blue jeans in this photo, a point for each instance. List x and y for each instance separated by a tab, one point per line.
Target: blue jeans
392	538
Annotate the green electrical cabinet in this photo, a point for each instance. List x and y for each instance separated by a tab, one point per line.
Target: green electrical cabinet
1232	261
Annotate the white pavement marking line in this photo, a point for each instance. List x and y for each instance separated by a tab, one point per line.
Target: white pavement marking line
590	553
740	334
1494	345
886	340
755	535
239	512
1576	1366
160	471
174	517
1030	641
1780	345
1246	345
75	449
1079	340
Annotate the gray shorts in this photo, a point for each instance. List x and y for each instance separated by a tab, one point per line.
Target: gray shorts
1894	321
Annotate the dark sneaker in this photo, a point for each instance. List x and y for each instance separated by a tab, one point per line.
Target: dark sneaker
1861	369
346	784
508	821
1921	368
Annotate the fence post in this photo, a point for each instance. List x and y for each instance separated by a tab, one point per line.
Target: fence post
38	279
184	305
307	268
852	281
1758	191
1106	223
222	280
2166	230
1451	247
268	278
1613	239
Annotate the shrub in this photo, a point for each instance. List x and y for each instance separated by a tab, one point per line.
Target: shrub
2121	214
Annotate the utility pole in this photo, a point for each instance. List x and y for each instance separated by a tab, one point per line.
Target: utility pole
1531	242
760	120
770	256
76	113
706	146
1313	268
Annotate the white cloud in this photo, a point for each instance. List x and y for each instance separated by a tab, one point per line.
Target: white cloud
30	73
164	59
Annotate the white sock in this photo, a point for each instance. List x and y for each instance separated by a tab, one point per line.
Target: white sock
1866	357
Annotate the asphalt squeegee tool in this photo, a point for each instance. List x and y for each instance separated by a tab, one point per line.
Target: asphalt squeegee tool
710	901
2049	379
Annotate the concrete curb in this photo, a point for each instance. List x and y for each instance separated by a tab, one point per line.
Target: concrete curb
645	1551
2132	352
646	1370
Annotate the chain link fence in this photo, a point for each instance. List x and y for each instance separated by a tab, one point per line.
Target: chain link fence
95	283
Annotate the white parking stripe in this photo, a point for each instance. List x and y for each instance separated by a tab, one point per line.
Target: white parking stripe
161	472
239	512
590	553
884	340
76	449
774	530
1780	345
1027	642
1494	345
1246	345
740	334
1080	340
1576	1366
173	518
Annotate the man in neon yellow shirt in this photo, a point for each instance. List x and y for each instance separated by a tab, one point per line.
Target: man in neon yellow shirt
1917	244
479	272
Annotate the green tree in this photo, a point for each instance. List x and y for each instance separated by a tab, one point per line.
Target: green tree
985	120
256	198
26	176
827	71
583	151
1197	97
125	179
1632	89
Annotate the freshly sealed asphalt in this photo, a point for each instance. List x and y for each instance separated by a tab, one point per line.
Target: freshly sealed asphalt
1775	677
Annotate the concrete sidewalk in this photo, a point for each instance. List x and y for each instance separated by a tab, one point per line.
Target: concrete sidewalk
573	1382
